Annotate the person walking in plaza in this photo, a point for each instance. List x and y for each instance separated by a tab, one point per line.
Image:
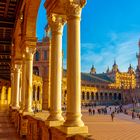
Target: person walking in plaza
133	115
90	111
93	112
112	116
139	116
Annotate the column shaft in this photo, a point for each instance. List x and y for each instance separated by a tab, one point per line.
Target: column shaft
12	87
17	84
73	116
29	74
23	84
56	24
46	83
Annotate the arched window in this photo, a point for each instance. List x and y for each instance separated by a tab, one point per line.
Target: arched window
101	95
65	93
34	93
83	95
87	95
97	96
35	70
119	96
37	56
45	55
115	96
92	95
38	92
110	96
105	96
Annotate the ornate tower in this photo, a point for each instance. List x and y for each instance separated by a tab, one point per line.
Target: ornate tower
115	67
138	68
107	71
92	70
130	69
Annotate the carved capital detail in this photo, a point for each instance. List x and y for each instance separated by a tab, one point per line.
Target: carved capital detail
29	53
73	9
56	22
17	67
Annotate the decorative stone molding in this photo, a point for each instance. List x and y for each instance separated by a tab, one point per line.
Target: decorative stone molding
74	8
56	23
29	52
17	67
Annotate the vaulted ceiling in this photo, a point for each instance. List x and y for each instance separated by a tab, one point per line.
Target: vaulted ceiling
9	9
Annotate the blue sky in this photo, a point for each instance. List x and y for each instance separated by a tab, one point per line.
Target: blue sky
110	29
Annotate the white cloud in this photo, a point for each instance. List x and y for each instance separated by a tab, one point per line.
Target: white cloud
122	47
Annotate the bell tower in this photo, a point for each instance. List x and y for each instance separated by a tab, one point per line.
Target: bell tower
138	68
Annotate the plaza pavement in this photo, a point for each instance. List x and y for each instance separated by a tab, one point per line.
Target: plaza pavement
100	127
123	127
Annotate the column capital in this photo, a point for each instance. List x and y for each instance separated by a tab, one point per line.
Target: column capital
17	64
73	9
56	22
28	53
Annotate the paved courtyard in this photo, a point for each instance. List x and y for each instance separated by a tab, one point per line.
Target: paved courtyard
122	128
100	127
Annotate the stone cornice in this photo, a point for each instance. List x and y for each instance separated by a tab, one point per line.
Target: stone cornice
50	5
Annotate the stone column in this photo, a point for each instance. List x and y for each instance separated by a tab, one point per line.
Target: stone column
73	115
28	79
9	96
3	95
23	83
46	83
12	87
56	23
17	84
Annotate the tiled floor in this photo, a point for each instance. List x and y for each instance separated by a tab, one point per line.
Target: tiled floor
7	130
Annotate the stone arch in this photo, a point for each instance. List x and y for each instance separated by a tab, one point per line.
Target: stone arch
30	13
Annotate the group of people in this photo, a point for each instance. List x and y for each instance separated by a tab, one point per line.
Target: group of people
112	111
106	110
134	115
91	111
103	111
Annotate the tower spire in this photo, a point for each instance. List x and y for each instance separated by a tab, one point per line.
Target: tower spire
114	61
139	46
138	67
